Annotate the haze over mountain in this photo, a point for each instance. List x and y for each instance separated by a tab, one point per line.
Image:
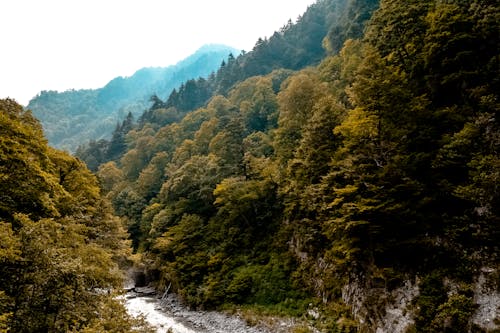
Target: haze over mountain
345	165
74	117
342	176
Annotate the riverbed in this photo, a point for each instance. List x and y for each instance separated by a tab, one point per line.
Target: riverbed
169	313
150	309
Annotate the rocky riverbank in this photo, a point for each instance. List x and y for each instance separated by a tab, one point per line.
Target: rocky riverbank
169	313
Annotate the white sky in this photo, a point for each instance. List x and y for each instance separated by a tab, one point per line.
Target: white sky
65	44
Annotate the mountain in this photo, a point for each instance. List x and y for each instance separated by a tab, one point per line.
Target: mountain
74	117
320	31
344	171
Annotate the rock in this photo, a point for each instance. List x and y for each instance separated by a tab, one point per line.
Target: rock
379	310
487	297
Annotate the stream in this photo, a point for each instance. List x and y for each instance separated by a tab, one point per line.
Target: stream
149	307
170	313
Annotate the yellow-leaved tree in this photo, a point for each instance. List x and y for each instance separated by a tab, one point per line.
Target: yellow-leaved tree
60	246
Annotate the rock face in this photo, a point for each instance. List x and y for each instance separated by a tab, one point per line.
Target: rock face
487	297
380	310
397	316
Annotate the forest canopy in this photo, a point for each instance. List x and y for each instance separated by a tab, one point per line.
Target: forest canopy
60	244
355	148
379	160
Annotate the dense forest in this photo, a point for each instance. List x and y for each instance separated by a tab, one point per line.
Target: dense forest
74	117
329	155
345	171
61	248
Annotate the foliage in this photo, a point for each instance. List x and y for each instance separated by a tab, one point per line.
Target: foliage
60	245
75	117
380	160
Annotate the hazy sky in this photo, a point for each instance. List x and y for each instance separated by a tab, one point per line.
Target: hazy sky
64	44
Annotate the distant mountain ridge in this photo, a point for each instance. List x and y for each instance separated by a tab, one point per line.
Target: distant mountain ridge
73	117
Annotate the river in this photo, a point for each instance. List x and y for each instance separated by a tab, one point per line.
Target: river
171	314
155	315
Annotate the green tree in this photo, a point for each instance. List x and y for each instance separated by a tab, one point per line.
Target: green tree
152	177
27	186
226	145
296	101
60	244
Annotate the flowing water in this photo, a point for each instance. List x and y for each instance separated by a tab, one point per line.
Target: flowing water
150	308
169	313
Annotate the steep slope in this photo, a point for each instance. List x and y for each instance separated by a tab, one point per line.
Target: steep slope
74	117
304	43
321	30
60	245
359	191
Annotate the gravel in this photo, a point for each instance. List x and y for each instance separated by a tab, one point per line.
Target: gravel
170	313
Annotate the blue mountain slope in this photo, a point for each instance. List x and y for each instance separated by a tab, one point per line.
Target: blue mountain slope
73	117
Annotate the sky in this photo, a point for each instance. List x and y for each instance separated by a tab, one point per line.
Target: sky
77	44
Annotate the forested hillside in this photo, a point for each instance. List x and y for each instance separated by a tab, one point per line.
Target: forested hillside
322	29
374	169
60	245
75	117
345	172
